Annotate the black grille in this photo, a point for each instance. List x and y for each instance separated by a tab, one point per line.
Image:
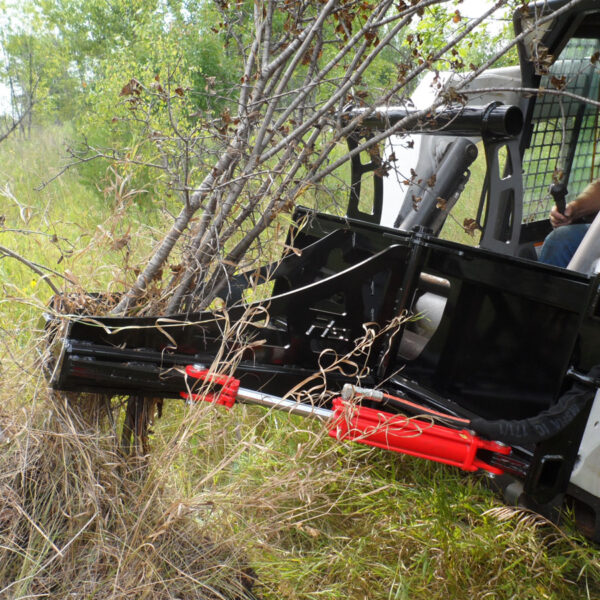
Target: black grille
558	118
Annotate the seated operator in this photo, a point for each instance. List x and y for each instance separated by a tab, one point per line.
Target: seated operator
560	245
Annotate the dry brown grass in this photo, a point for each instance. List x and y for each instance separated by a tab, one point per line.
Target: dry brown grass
76	517
222	493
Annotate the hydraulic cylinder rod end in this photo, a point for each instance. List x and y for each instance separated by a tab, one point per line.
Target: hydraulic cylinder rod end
502	120
350	391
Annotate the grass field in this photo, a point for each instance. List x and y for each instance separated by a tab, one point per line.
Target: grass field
223	494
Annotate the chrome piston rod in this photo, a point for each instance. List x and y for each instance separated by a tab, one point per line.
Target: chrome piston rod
289	406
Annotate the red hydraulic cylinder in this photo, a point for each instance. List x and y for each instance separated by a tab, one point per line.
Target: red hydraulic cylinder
349	421
412	436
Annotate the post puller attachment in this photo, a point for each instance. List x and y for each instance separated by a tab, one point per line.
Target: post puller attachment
350	421
507	347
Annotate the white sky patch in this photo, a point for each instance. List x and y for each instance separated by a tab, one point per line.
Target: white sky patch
472	9
4	99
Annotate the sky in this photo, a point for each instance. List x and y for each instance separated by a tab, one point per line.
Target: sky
475	8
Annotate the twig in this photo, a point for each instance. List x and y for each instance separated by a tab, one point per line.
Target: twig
64	169
36	268
534	91
17	122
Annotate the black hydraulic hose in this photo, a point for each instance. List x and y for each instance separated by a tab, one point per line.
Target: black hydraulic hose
545	425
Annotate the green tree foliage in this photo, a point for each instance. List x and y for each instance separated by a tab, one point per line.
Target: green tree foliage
73	47
441	20
34	68
77	53
94	30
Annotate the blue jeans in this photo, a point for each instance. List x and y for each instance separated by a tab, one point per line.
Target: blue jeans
560	244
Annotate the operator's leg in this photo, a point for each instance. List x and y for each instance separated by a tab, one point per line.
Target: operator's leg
560	245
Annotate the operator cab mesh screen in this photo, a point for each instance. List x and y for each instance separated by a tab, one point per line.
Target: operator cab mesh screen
565	134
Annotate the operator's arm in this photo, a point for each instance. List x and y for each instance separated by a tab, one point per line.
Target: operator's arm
587	203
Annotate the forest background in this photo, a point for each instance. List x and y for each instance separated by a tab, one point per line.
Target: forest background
116	116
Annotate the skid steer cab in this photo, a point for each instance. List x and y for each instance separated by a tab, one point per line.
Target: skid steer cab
501	371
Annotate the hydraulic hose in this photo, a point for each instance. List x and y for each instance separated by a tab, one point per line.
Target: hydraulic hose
544	425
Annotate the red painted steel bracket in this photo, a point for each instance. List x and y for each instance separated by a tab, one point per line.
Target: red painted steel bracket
226	396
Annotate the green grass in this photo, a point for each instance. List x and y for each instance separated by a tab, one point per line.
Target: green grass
467	205
314	518
324	520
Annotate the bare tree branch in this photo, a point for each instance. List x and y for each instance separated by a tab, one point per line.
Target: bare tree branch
277	135
36	268
16	123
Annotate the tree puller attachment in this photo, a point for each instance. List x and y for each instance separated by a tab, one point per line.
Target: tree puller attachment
478	357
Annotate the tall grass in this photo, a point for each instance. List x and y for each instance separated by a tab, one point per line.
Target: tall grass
225	497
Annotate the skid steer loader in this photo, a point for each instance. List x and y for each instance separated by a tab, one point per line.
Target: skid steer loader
501	372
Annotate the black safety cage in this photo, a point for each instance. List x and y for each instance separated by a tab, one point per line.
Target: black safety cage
561	142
